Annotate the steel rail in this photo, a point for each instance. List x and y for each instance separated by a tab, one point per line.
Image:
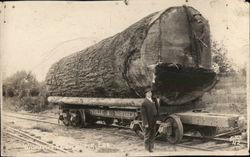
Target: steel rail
23	139
213	139
34	115
37	140
37	120
129	136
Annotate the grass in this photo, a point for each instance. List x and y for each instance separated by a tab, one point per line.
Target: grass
229	96
12	104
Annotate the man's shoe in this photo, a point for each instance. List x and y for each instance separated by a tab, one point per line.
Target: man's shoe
150	150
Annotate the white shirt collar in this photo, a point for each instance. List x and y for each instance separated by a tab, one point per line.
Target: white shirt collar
150	99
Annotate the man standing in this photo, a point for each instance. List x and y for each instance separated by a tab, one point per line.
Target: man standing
149	114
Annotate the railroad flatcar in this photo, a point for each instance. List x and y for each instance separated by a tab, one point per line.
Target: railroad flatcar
167	51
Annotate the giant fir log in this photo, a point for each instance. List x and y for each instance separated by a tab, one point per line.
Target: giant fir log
167	51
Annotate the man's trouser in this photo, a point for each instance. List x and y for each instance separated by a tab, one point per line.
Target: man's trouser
149	137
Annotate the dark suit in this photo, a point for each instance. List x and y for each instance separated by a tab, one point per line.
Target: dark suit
149	113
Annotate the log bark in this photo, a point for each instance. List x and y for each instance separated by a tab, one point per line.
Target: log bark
121	66
110	102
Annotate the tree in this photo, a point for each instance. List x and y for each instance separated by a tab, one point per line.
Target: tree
220	59
20	84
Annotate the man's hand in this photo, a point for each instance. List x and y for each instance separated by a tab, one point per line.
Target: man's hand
146	126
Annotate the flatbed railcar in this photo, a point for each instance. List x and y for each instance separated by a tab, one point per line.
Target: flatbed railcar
173	121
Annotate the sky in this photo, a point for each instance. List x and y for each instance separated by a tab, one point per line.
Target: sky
34	35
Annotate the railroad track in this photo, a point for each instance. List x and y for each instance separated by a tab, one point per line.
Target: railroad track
35	141
36	115
190	142
202	145
38	119
33	119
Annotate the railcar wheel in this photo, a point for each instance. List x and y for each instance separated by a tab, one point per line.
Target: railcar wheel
208	131
83	118
66	122
175	130
65	119
139	130
76	119
139	133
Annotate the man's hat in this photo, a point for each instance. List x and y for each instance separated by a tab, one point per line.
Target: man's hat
147	89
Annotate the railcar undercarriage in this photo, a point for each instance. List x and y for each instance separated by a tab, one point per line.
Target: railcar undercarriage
171	127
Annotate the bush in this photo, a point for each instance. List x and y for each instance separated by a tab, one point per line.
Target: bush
12	103
26	91
34	104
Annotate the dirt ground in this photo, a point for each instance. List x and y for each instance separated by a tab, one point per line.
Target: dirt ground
78	140
98	139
